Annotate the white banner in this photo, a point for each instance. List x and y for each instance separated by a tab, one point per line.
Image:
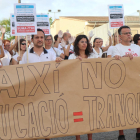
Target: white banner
43	23
116	15
25	14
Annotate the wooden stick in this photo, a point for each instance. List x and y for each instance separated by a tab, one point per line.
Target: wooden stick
27	50
18	45
117	37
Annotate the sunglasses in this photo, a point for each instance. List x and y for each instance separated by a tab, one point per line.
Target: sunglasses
23	43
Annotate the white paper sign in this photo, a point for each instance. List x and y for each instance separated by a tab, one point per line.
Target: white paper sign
116	15
43	23
12	24
25	15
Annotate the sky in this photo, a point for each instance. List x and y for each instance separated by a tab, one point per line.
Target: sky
72	7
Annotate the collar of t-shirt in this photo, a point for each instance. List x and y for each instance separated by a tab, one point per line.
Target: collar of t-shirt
44	50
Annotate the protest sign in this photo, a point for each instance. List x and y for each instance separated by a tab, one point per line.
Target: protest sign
25	15
43	23
12	24
48	99
116	16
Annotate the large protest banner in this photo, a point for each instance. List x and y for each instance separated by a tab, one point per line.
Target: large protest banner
73	97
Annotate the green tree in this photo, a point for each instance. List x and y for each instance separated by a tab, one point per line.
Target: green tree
6	24
51	20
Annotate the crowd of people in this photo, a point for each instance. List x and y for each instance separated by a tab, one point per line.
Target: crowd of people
64	47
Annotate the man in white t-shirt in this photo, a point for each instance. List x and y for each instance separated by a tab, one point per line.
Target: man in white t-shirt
126	49
38	53
66	37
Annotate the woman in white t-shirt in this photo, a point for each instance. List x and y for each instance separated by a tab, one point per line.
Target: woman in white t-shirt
49	47
82	50
96	48
16	58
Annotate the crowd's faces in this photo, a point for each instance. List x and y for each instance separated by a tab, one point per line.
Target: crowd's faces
7	45
38	39
48	41
125	35
97	43
23	46
82	44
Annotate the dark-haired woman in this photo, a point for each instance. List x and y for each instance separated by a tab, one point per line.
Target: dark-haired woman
136	39
16	58
82	50
96	48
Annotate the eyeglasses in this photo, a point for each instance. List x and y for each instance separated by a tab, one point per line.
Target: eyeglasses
48	39
23	43
127	33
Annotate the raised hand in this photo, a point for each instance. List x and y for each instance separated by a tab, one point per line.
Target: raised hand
60	34
71	40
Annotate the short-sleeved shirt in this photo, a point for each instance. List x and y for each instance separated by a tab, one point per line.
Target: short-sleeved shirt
73	56
33	57
6	59
15	56
57	52
122	50
110	51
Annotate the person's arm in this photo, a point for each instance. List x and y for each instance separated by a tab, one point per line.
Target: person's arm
14	62
2	37
60	35
110	43
57	42
1	64
13	46
90	35
1	52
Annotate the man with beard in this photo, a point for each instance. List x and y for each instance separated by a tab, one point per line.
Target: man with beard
38	53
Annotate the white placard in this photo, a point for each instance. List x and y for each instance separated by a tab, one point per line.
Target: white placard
116	15
43	23
25	15
12	24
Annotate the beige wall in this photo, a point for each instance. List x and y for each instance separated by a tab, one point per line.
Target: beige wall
74	26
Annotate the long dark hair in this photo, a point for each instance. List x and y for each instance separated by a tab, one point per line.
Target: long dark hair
136	38
76	48
21	40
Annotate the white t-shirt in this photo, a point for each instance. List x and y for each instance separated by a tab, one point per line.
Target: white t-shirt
110	51
6	59
98	55
60	47
122	50
16	56
34	58
57	52
73	56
